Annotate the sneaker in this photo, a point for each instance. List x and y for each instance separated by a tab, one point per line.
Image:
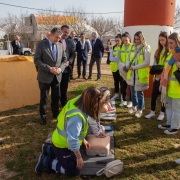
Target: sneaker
150	115
132	110
40	164
161	116
129	105
116	96
138	114
171	131
123	103
163	126
178	161
45	149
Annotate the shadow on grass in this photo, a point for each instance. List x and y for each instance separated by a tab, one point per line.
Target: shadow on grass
78	90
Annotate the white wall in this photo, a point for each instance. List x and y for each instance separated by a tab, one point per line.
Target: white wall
151	34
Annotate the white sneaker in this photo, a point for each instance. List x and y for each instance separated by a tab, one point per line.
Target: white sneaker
150	115
138	113
171	131
132	110
129	105
116	96
178	161
161	116
123	103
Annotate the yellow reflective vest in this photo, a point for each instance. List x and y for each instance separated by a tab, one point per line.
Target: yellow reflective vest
124	53
143	73
114	65
161	58
173	84
59	136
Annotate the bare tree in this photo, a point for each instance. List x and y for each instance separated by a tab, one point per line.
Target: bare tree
76	17
102	25
118	25
15	25
177	18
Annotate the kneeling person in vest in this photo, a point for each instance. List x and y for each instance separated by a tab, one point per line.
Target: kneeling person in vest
64	155
138	73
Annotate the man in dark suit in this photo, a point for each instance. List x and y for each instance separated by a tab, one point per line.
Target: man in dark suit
97	53
17	46
82	49
69	49
50	59
71	37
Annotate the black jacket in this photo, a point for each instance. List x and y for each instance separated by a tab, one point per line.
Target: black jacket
17	49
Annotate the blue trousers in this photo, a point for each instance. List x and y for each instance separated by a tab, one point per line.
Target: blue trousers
137	98
62	160
79	62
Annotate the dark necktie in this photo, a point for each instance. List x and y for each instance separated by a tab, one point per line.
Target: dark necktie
54	51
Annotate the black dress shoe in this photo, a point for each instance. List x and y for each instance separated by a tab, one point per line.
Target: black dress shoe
55	116
84	78
71	78
98	79
43	121
89	77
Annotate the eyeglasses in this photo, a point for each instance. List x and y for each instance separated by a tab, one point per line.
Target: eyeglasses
117	40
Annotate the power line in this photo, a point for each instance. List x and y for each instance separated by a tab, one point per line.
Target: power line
57	11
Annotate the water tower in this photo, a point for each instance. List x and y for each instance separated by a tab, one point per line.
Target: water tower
151	17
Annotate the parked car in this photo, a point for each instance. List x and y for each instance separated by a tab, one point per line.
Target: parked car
26	51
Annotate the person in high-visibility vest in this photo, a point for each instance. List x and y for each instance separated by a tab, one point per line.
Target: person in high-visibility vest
70	133
124	51
137	68
172	88
114	58
159	58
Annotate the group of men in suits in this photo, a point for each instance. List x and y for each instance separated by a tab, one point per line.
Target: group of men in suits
54	59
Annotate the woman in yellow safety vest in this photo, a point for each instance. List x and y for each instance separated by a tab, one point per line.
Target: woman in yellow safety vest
159	58
114	58
173	88
137	68
64	154
124	51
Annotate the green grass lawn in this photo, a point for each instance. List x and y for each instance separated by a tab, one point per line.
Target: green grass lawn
146	151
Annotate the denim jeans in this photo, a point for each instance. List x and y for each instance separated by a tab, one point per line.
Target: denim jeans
137	98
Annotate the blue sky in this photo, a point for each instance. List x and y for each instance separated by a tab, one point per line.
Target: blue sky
89	5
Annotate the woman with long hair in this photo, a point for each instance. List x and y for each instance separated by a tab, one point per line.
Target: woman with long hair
114	58
64	155
124	51
137	68
159	59
170	87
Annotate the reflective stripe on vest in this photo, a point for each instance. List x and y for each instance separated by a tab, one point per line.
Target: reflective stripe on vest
59	137
161	58
143	73
124	53
63	132
167	60
114	65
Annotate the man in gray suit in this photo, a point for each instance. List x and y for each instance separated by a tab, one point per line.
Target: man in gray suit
50	59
